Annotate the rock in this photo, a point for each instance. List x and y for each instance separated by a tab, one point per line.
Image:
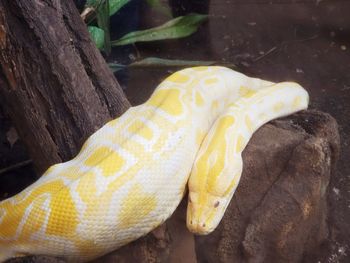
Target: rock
279	211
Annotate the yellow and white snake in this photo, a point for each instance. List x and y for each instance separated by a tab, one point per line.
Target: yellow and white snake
132	173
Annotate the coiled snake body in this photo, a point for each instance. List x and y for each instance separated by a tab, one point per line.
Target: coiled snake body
132	173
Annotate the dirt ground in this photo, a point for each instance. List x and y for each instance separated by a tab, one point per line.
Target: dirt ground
307	41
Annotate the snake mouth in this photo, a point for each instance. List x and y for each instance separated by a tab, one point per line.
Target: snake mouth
199	228
204	214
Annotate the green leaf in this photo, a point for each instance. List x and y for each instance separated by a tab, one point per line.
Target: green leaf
153	62
103	23
179	27
115	5
116	67
160	62
97	35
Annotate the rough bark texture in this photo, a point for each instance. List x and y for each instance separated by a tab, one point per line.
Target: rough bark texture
54	83
279	211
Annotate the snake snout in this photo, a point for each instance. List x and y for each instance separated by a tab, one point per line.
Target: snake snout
199	228
204	212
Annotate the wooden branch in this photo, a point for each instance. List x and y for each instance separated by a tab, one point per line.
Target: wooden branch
54	83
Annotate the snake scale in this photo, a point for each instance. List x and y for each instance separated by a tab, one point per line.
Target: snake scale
132	173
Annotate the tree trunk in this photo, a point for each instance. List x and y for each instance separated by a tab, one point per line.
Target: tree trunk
54	83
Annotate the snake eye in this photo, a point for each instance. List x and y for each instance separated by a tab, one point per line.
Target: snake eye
203	225
216	204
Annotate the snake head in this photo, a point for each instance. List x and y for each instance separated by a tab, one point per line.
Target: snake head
209	195
204	212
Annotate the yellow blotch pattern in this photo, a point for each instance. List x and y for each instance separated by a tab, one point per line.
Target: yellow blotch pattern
199	99
200	68
240	143
278	106
211	81
141	129
297	102
135	207
88	247
199	136
106	159
12	220
35	219
178	78
246	92
63	218
215	105
249	123
207	165
71	173
10	223
87	187
167	100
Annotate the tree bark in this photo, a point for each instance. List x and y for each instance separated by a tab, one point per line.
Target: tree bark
54	83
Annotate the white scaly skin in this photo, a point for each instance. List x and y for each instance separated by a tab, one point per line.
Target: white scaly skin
132	173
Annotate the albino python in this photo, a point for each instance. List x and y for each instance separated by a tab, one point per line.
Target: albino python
132	173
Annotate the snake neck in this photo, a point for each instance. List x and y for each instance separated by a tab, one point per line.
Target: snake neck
199	95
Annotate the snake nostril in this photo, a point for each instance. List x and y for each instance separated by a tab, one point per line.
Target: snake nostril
203	225
191	222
